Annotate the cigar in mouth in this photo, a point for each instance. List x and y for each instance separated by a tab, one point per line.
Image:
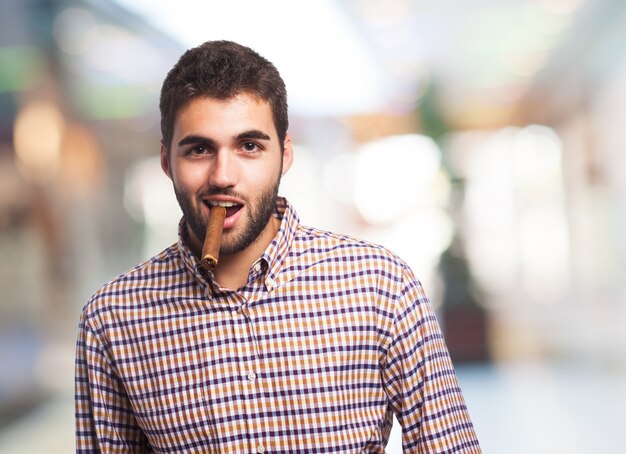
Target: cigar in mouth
213	238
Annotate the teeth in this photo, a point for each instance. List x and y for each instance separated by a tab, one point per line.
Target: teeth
221	204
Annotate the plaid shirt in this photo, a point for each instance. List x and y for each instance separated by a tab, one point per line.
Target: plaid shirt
327	340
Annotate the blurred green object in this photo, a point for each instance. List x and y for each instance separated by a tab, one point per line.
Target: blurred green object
20	68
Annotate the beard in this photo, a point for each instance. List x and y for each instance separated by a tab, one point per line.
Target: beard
256	219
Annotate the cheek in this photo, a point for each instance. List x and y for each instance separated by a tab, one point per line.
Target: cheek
189	177
258	185
266	175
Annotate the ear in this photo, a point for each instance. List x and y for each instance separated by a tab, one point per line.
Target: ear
287	154
165	161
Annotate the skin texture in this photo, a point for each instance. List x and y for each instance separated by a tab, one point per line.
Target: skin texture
228	150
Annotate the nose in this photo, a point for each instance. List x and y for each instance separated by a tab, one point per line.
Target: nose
223	173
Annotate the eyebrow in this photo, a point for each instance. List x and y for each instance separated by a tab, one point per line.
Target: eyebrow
187	140
253	134
250	134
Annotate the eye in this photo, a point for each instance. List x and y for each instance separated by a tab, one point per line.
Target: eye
198	150
250	147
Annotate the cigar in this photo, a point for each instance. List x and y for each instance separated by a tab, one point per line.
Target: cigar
213	238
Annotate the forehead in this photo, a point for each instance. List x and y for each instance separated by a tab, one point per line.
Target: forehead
224	117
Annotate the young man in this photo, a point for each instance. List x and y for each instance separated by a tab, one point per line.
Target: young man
299	340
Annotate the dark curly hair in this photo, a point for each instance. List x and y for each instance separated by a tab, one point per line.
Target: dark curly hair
222	70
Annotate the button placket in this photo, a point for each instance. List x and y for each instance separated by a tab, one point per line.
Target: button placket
251	374
245	352
249	368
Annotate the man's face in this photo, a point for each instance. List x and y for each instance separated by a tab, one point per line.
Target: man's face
226	151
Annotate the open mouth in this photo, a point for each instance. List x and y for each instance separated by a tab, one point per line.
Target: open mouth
231	207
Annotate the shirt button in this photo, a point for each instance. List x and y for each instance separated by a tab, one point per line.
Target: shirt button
251	376
260	449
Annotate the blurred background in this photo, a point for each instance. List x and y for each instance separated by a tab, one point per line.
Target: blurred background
481	140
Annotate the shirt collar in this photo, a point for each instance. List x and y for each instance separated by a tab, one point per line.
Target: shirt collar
272	258
277	251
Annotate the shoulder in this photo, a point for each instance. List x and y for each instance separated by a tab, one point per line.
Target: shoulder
128	288
326	247
318	240
339	264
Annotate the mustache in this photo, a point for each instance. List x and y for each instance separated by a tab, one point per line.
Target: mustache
223	192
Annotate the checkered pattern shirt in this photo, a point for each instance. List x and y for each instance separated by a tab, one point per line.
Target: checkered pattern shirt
328	339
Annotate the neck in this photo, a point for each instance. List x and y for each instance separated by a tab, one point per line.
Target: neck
232	270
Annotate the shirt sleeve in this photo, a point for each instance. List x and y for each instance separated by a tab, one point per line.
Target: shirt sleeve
420	382
104	418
